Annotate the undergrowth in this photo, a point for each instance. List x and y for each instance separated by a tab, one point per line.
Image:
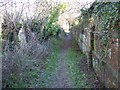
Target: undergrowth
36	73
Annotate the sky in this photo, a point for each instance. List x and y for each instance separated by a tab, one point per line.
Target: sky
32	7
31	2
51	0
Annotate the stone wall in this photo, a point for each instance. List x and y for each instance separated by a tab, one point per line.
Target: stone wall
106	66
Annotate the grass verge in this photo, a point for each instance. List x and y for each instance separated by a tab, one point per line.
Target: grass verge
51	63
78	78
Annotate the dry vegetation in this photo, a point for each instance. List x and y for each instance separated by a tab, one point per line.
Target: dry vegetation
24	47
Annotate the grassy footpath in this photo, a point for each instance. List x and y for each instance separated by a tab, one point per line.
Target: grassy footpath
51	64
78	78
35	77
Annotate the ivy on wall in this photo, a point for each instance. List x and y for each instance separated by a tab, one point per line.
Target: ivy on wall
106	20
107	25
109	14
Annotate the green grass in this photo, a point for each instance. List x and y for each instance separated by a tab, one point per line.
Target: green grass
51	64
14	82
78	78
